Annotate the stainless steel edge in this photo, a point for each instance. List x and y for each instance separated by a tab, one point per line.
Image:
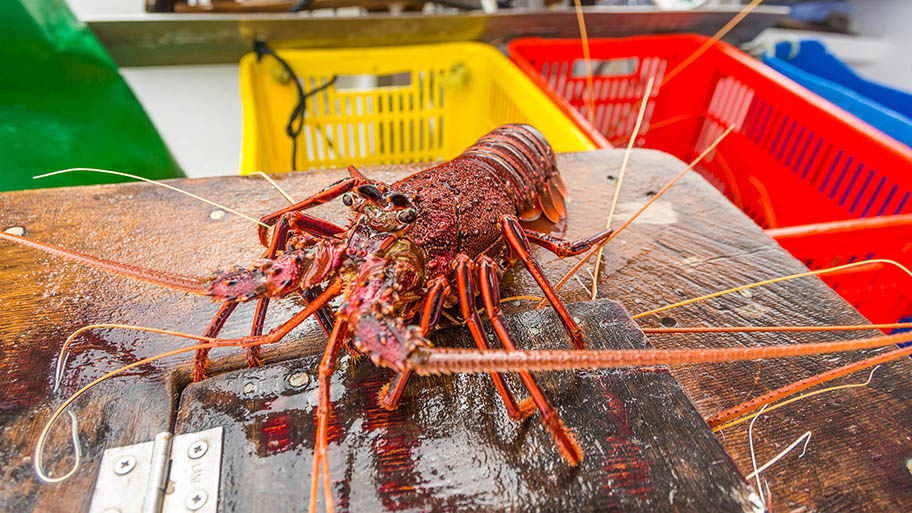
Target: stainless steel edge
174	39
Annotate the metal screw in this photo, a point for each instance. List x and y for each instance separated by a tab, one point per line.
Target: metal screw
299	379
196	500
198	449
249	388
15	230
217	214
124	465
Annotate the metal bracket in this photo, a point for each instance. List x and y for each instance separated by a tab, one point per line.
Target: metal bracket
196	465
166	475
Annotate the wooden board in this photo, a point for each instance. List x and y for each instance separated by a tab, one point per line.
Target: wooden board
451	446
691	243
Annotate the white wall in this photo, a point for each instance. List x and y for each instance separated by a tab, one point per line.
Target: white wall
196	109
85	8
892	20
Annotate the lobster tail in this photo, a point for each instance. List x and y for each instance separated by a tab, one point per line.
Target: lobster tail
523	161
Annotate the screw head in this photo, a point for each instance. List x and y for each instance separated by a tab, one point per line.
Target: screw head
196	499
124	465
217	214
299	379
198	449
249	388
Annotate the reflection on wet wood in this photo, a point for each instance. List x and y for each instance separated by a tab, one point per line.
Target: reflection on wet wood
693	242
451	445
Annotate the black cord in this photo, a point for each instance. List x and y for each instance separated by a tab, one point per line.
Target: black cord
300	5
299	110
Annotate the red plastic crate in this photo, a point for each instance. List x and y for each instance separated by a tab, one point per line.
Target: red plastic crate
792	159
880	291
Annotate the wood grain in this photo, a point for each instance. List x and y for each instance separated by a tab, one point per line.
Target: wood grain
691	243
452	447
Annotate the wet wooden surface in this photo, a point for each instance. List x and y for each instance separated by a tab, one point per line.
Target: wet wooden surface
692	242
452	447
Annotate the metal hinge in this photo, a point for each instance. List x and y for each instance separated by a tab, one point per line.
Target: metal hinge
168	474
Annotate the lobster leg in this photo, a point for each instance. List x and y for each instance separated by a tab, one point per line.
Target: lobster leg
328	194
314	225
201	360
324	315
259	318
563	438
516	238
324	407
390	394
564	248
279	238
467	304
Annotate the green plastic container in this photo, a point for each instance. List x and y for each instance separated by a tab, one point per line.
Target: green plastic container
63	104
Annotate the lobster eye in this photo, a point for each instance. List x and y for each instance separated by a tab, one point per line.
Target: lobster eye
369	191
397	200
348	199
407	216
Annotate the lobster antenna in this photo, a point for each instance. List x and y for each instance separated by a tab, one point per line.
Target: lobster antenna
697	53
617	188
584	39
175	281
789	329
166	186
212	343
77	454
42	437
61	358
774	280
807	439
799	398
642	209
433	361
711	41
750	438
806	383
275	186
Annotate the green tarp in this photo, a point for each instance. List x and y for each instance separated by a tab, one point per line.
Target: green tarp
63	104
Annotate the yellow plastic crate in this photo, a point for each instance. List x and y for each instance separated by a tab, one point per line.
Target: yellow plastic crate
389	105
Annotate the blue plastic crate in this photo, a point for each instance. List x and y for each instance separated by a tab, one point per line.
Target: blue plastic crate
810	64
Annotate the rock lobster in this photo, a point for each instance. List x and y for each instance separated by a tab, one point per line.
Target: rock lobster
437	238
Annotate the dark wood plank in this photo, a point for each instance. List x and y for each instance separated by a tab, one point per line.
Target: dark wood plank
693	242
452	447
120	412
